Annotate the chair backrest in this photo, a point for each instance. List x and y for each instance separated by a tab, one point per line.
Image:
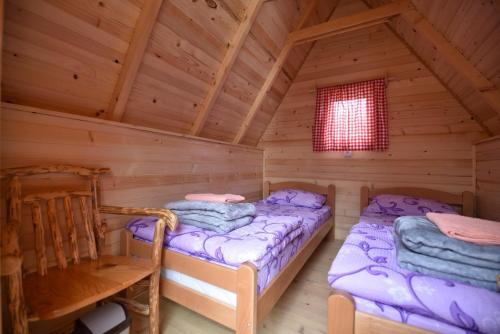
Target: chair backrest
87	210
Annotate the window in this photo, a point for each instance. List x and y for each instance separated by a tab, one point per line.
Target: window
351	117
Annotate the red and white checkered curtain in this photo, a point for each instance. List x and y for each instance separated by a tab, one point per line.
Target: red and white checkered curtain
351	117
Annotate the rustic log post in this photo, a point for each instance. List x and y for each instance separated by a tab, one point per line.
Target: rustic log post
89	230
100	227
70	225
56	234
168	216
154	283
17	307
41	254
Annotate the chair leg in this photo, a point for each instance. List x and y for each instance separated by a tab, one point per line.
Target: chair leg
17	309
154	303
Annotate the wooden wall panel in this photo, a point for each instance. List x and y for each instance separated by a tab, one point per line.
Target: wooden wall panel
286	75
68	55
254	62
188	44
487	175
431	135
149	167
477	42
473	28
65	54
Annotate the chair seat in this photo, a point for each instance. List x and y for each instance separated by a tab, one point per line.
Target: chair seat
63	291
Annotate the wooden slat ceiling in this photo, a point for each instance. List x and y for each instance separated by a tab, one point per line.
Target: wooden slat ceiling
71	55
65	55
471	27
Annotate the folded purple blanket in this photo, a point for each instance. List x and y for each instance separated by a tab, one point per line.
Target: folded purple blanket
258	242
366	266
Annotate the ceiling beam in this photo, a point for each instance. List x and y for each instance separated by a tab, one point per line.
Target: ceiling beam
266	87
225	67
341	25
348	23
330	15
438	78
392	29
133	59
487	89
273	74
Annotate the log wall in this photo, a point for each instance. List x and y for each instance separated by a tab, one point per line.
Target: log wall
149	167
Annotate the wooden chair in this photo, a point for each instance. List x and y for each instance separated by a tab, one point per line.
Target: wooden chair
76	281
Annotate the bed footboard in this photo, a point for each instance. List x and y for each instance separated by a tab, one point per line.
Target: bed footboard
344	319
243	282
251	308
246	304
341	310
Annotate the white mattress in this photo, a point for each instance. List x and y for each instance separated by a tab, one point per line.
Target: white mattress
207	289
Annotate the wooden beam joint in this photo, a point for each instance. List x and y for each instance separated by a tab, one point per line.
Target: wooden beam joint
233	49
360	20
486	89
133	59
341	25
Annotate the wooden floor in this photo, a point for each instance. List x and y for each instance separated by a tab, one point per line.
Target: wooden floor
302	309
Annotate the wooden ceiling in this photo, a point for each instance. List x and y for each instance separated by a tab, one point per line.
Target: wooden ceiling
219	68
459	41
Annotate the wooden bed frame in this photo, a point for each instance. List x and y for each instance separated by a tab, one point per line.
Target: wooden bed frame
465	200
342	315
251	308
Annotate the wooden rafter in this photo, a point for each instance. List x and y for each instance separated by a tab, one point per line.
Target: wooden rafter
133	59
341	25
429	68
302	63
348	23
261	95
448	89
307	14
232	53
487	89
273	74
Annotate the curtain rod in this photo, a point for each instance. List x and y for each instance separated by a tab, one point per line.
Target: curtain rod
386	78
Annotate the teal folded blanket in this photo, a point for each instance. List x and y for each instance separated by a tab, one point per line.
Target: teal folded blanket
422	247
214	224
214	216
225	211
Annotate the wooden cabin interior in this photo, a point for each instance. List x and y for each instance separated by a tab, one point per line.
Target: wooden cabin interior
157	99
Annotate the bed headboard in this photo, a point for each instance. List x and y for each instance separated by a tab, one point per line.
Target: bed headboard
464	200
329	190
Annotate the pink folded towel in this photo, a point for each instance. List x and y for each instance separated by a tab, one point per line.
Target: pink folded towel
478	231
223	198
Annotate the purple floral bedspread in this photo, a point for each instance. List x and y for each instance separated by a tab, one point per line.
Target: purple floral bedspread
269	242
313	218
366	267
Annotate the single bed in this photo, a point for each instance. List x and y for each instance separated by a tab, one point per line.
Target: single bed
372	294
204	271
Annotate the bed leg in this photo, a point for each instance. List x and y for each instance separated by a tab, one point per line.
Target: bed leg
246	304
341	310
